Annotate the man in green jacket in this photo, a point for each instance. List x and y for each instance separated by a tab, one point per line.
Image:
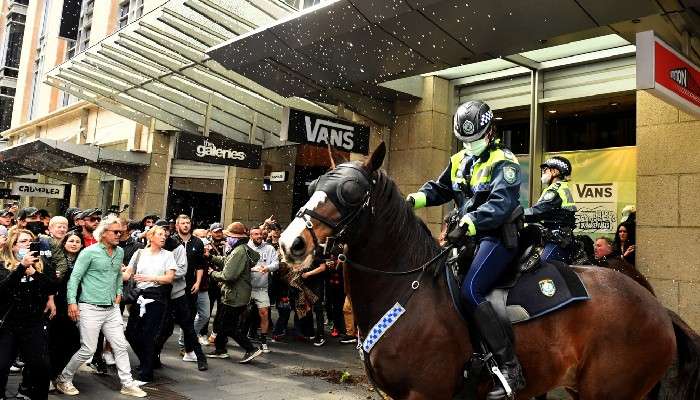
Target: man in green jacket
235	293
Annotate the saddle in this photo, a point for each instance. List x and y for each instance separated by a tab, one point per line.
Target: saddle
530	288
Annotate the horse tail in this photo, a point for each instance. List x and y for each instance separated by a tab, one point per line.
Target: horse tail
682	381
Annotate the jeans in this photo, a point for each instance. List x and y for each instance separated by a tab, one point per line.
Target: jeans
179	312
141	332
231	326
489	264
94	319
214	300
32	341
202	317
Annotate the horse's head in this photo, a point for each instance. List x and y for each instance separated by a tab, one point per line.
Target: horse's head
338	198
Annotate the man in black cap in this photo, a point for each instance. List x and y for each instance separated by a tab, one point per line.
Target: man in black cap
90	219
6	217
29	219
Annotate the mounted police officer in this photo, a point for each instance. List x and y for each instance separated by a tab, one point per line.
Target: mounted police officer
555	210
484	181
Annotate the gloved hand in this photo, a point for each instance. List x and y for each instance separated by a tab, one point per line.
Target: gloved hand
458	235
411	201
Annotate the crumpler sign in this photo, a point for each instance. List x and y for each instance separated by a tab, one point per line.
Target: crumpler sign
304	127
217	149
667	74
38	190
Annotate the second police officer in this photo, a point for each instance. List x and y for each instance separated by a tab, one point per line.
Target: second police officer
484	182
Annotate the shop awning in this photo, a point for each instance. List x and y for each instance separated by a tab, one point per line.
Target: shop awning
349	44
157	68
59	160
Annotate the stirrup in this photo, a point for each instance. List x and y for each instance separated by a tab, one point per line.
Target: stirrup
502	379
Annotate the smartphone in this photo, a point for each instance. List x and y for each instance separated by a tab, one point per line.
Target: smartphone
35	247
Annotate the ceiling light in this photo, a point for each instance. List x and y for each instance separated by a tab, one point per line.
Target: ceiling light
552	111
614	104
498	118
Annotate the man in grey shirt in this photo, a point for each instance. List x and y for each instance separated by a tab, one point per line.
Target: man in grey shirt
268	262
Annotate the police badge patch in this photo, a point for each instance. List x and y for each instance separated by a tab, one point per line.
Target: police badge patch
467	128
510	174
547	287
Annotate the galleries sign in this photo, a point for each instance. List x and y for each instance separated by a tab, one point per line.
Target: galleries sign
305	127
217	149
665	73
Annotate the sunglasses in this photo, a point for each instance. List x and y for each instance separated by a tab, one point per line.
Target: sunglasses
95	219
116	231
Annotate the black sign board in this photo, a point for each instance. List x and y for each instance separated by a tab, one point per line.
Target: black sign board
306	127
217	149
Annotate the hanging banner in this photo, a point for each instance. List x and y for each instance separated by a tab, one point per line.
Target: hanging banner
305	127
217	149
667	74
38	190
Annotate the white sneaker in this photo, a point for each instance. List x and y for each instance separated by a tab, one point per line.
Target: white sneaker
189	357
204	341
109	358
133	391
14	369
67	388
264	348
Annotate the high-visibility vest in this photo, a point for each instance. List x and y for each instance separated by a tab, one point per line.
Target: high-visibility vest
481	170
564	192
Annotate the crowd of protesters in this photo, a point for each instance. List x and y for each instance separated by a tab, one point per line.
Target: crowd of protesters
67	283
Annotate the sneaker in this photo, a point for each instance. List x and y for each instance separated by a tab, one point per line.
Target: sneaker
203	341
15	369
18	362
217	354
264	348
320	341
109	358
133	391
202	364
67	388
250	355
347	339
189	357
22	393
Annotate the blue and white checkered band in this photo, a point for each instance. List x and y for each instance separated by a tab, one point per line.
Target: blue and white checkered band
557	163
486	117
382	326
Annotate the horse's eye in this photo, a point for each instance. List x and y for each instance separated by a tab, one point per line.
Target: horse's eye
312	187
350	192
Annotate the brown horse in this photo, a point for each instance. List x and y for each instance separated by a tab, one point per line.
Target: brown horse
617	345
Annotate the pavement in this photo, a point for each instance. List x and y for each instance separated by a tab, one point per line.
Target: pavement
292	370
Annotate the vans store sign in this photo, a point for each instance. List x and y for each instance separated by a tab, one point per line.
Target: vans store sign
38	190
304	127
217	149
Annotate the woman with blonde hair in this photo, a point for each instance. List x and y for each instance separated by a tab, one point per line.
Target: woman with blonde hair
25	287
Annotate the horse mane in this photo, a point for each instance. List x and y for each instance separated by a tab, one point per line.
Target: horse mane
414	239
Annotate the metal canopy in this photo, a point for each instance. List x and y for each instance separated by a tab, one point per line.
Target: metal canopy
157	68
347	44
52	157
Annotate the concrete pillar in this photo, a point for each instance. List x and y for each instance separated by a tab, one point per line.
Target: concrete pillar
421	143
89	193
151	186
668	208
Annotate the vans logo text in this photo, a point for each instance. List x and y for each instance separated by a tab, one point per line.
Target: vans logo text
331	133
595	191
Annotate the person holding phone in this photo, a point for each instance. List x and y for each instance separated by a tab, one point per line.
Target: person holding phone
25	286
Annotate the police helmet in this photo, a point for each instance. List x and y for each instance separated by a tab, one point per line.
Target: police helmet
559	163
472	120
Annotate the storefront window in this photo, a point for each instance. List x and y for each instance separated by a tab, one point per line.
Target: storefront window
513	128
590	124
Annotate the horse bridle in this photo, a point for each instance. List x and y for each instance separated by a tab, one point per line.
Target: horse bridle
341	227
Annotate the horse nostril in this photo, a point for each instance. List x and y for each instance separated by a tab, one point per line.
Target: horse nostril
298	246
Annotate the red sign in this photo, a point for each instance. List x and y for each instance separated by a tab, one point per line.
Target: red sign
666	73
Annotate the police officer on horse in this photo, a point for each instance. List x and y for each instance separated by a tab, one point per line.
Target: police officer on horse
555	210
484	182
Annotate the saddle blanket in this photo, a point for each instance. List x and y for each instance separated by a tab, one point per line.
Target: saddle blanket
536	293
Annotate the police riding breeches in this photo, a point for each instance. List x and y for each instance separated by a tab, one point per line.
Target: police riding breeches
489	264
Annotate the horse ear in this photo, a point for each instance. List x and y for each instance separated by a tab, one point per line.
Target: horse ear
377	158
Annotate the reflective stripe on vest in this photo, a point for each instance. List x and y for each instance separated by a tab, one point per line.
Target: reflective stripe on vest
564	192
481	171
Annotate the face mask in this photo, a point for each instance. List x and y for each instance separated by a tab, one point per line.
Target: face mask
476	147
21	253
35	227
546	178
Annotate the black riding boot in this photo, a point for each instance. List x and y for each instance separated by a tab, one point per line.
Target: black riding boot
499	339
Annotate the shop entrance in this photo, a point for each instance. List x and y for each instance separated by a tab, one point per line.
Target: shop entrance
200	199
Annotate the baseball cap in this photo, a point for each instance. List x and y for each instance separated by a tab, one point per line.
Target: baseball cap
216	227
27	212
163	223
6	213
91	212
